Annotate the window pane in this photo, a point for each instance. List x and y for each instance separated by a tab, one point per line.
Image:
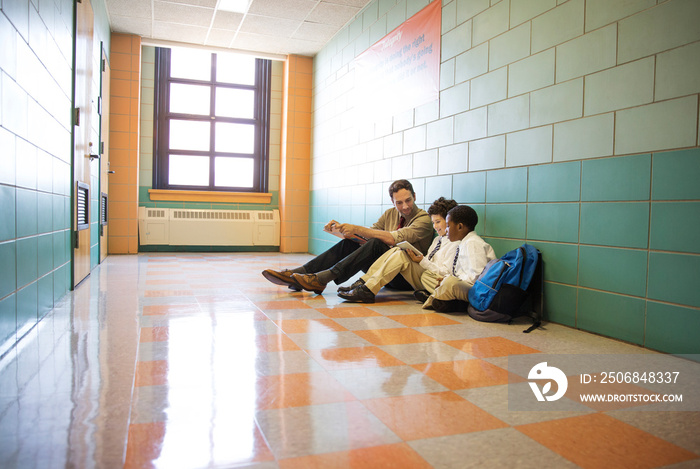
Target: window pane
235	138
188	170
239	69
190	63
235	103
189	99
189	135
234	172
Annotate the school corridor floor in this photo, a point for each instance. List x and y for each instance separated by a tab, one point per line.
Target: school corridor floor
196	361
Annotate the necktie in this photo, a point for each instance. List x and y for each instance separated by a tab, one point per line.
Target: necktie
437	248
402	221
454	264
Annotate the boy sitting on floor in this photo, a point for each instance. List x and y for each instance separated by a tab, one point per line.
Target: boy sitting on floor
472	255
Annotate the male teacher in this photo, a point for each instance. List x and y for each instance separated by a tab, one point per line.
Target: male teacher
404	222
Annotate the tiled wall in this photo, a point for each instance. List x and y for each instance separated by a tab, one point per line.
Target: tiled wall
572	125
296	151
146	142
35	159
125	61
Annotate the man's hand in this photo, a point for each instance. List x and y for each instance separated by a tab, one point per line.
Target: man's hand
330	225
414	257
347	229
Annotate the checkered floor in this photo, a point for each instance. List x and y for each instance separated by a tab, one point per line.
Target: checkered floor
195	360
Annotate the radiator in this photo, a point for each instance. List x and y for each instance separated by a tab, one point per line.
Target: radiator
187	227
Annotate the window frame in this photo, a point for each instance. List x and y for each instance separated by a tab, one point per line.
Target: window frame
162	117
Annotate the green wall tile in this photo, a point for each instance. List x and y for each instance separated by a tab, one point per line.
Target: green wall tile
553	222
672	329
502	246
8	318
560	303
624	178
675	226
615	224
614	270
504	221
612	315
674	278
44	295
469	188
45	254
61	248
7	212
436	187
27	301
559	182
480	210
506	185
60	219
676	175
45	213
27	213
560	261
61	282
27	260
8	272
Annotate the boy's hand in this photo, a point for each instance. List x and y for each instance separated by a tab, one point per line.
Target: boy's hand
414	257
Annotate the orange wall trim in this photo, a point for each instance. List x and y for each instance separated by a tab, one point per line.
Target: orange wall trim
125	97
296	154
210	196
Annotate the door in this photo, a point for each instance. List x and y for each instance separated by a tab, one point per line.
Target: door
82	144
104	158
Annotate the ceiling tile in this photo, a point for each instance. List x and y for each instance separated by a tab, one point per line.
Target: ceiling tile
290	9
265	25
179	32
129	8
227	20
139	26
329	13
182	14
220	37
316	32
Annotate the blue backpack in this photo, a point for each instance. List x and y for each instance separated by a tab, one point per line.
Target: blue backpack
499	293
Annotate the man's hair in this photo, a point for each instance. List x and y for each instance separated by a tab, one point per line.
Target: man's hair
398	185
441	206
465	215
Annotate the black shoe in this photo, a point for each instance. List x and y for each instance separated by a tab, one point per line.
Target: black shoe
449	306
355	284
421	295
361	294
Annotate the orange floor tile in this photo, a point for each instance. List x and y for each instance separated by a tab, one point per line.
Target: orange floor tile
196	361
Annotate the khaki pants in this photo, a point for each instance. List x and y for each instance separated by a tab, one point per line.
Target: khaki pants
393	262
451	288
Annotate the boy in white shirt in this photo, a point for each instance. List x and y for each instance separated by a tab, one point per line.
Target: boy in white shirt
472	255
413	267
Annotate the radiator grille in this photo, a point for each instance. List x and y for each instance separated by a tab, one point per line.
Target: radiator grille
209	215
82	209
154	213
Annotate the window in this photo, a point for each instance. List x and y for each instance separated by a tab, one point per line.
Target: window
211	121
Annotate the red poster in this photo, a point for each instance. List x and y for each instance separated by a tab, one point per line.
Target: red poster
402	70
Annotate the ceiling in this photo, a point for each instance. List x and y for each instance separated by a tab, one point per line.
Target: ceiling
277	27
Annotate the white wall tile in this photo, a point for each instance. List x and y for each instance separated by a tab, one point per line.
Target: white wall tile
488	153
425	163
381	169
7	160
659	126
436	187
472	63
427	112
589	53
621	87
440	133
454	100
558	25
449	16
491	22
532	146
414	139
523	10
509	47
678	72
557	103
393	145
603	12
456	41
489	88
670	24
471	125
509	115
589	137
532	73
447	74
401	167
403	120
466	9
453	159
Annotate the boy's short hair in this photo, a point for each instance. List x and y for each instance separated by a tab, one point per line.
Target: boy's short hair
401	184
465	215
441	206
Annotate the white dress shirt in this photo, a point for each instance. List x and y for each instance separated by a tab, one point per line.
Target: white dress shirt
441	262
474	253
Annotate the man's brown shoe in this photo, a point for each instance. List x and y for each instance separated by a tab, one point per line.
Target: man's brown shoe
309	282
283	277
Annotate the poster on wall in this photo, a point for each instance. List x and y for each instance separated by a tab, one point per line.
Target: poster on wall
402	70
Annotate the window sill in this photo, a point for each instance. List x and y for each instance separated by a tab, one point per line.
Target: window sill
210	196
